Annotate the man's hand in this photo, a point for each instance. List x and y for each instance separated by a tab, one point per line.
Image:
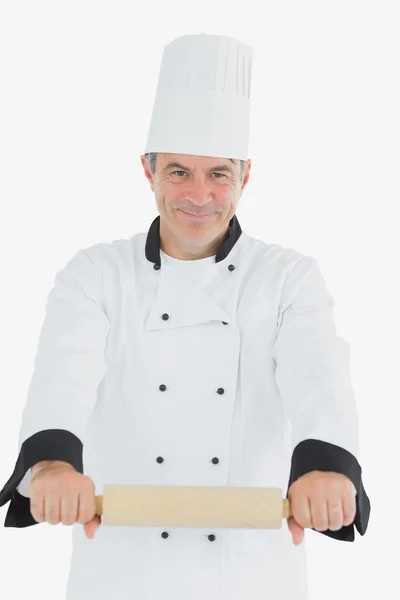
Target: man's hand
322	500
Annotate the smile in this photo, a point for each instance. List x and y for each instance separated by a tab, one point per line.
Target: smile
196	217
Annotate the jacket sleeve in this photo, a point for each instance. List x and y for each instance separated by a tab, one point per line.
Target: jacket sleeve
312	373
69	365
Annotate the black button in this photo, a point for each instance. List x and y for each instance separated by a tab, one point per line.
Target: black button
215	461
165	534
165	317
163	387
220	390
156	267
211	537
224	323
160	459
231	267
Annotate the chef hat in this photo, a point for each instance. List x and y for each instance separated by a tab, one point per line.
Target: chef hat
203	98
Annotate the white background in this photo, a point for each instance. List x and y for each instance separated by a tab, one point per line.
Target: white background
78	81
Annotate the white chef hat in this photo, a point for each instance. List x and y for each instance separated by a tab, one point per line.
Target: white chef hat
202	102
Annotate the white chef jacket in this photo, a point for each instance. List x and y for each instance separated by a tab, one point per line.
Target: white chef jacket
222	371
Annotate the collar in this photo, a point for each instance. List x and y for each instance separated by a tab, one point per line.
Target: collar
152	248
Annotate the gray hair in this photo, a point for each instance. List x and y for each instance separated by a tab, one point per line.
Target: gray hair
152	157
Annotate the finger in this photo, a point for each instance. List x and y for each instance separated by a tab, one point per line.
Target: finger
335	511
52	507
69	508
91	527
349	509
86	507
37	507
296	531
301	510
319	513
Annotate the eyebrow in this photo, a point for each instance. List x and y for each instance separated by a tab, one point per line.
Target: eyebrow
177	165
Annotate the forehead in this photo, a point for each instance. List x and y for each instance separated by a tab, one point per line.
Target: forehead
193	161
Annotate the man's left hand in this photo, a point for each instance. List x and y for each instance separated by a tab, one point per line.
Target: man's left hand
321	500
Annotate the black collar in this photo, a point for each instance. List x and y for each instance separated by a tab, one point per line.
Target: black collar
152	248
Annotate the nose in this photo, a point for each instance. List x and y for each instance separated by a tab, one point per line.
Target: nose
198	192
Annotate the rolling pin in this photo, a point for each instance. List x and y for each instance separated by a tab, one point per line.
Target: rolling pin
193	506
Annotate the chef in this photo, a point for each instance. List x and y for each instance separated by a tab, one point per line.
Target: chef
193	354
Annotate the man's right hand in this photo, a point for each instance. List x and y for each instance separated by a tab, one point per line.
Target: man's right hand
58	493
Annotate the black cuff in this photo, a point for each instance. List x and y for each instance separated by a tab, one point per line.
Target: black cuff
316	455
49	444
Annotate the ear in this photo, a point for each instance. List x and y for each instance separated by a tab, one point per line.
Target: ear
246	175
147	171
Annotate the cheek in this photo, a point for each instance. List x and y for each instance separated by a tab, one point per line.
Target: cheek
171	192
225	195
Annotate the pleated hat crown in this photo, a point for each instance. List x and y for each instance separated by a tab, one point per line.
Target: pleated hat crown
202	103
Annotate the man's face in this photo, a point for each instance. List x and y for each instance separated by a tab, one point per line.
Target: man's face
208	188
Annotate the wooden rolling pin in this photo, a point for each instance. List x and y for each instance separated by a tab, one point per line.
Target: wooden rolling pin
193	506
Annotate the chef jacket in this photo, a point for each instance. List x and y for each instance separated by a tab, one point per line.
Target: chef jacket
222	371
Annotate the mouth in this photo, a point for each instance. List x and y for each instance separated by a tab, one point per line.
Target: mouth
193	217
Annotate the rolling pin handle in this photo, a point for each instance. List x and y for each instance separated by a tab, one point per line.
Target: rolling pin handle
99	505
286	509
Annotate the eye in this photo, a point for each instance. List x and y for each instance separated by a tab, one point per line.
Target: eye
214	173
